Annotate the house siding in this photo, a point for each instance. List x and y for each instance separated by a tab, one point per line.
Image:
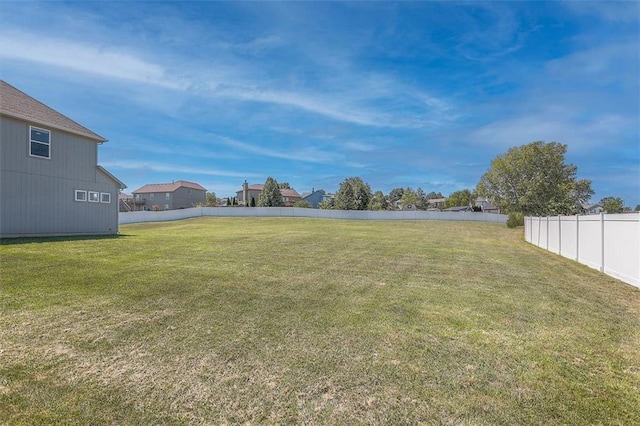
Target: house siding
184	198
38	194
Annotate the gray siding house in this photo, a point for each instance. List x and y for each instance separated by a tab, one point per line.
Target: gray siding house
169	196
50	181
316	197
250	193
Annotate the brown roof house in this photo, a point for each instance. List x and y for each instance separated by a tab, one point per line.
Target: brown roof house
169	196
249	195
50	180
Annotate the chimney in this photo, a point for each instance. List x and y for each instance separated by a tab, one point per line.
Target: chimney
245	191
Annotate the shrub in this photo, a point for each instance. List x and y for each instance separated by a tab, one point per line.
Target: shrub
515	219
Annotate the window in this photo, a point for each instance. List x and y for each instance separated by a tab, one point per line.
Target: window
80	195
39	142
167	197
94	196
166	206
151	197
105	197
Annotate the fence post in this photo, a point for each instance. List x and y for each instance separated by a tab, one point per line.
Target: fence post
601	242
547	233
559	235
577	238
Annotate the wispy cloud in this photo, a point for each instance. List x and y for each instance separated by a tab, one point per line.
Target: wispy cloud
89	58
306	154
150	166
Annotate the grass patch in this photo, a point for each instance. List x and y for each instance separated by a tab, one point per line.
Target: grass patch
245	320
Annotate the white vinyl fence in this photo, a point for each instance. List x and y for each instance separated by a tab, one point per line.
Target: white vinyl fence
607	242
161	216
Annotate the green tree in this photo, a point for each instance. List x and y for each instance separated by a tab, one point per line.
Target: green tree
395	194
378	201
326	204
304	204
270	195
284	185
253	202
637	208
212	200
422	198
353	194
409	196
612	205
533	179
463	197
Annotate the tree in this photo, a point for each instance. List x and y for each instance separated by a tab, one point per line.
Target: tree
212	200
378	201
409	197
637	208
284	185
270	195
353	194
533	179
304	204
612	205
463	197
396	194
326	204
253	202
422	198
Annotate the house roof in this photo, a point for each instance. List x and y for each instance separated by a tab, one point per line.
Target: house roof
121	185
17	104
168	187
284	192
291	193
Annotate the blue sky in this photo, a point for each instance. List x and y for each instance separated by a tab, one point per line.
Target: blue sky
419	94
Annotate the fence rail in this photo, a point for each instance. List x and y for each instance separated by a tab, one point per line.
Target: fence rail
607	242
161	216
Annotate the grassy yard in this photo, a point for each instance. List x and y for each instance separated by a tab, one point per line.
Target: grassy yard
240	320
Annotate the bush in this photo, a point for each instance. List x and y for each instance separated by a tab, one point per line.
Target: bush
515	219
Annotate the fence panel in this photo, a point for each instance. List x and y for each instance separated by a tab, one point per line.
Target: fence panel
151	216
569	236
607	242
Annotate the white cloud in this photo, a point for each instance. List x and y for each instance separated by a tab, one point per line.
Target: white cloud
306	154
149	166
93	59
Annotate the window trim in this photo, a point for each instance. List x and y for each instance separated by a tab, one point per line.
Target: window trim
80	191
93	197
32	141
102	199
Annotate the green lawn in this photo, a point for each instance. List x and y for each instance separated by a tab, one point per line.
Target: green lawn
244	320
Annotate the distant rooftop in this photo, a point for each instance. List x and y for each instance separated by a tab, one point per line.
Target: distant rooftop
168	187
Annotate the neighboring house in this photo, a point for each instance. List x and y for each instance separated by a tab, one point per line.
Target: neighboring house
316	197
592	208
50	180
486	206
436	203
125	202
169	196
249	192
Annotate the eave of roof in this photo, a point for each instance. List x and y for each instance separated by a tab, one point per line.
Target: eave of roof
17	104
